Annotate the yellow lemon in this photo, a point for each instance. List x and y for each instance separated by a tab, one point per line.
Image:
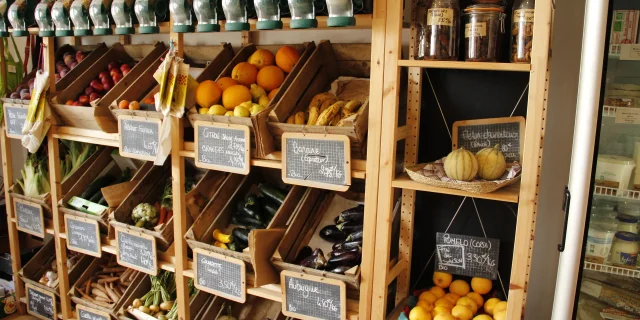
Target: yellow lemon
417	313
459	287
502	305
481	285
203	110
439	292
229	114
490	304
241	111
469	303
264	101
428	296
439	310
425	305
462	313
452	297
483	317
444	316
500	315
477	298
217	110
444	303
442	279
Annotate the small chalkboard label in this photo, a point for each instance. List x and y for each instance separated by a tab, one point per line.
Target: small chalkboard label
316	160
309	297
85	313
137	251
41	304
14	118
475	135
220	275
83	235
29	217
139	137
222	147
467	255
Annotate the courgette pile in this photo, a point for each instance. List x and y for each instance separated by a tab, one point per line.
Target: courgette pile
93	192
255	212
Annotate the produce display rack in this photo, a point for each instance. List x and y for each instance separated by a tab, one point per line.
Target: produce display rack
377	269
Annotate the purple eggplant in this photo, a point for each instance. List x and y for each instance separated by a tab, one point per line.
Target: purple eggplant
350	227
355	214
340	269
347	259
339	252
347	245
304	252
315	260
355	236
332	234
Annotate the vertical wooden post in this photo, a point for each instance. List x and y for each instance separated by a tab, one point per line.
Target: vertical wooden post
125	39
75	41
246	37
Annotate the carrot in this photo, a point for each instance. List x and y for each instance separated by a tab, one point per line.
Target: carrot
157	205
109	280
169	215
163	215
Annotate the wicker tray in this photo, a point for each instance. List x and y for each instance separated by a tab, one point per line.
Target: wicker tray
432	174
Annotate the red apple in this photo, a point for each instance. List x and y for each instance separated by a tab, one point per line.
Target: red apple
97	86
77	104
83	100
117	77
64	72
114	72
112	65
103	74
60	66
89	90
94	96
126	71
66	54
79	55
105	79
124	66
107	86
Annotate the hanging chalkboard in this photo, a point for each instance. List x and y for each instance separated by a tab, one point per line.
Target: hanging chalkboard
29	217
83	235
137	251
14	118
220	275
475	135
85	313
139	137
467	255
222	147
310	297
40	303
316	160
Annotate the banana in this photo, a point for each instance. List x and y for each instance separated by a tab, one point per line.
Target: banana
291	119
313	116
327	103
353	105
317	100
327	115
335	119
299	117
344	112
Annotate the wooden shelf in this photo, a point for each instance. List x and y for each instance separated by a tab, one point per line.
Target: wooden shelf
87	136
624	272
508	194
490	66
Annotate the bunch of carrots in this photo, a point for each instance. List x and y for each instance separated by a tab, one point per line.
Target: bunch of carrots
165	213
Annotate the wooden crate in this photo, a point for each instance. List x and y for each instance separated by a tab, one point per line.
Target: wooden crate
92	269
96	51
146	86
40	263
327	63
314	211
98	116
255	308
260	137
25	81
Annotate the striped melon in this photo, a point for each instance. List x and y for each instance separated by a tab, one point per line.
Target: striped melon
461	164
491	163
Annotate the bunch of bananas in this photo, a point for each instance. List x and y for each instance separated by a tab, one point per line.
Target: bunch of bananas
325	109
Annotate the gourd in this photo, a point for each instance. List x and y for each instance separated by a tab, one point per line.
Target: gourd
491	163
461	164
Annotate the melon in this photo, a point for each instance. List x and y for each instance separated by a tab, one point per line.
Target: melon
461	164
491	163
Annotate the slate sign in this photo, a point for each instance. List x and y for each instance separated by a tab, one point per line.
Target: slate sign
29	217
137	251
85	313
309	297
475	135
467	255
316	160
223	147
220	275
83	235
139	137
14	118
40	303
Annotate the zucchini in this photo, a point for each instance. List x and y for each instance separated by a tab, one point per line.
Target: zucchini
232	246
241	234
126	176
251	199
270	209
251	211
95	186
247	222
96	197
272	193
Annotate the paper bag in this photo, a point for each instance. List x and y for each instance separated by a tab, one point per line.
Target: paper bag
38	119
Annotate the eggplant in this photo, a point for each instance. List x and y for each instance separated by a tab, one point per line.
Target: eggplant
347	245
355	236
332	234
247	222
355	214
340	269
339	252
252	211
304	252
347	259
241	234
272	193
316	260
350	227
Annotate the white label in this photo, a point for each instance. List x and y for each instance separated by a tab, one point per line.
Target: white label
478	29
440	17
523	15
590	288
628	115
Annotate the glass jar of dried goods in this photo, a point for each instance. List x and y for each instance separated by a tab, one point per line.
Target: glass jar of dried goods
441	30
483	29
522	31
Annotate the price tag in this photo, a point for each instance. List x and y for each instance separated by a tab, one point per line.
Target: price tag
40	303
139	137
84	313
467	255
83	235
309	297
137	251
507	133
14	118
628	115
220	275
29	217
316	160
222	147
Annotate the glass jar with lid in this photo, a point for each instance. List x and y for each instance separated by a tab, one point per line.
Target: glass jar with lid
235	11
631	208
182	15
149	13
207	15
303	14
627	223
340	13
624	252
441	30
483	30
100	12
600	239
123	15
60	17
522	31
268	12
43	18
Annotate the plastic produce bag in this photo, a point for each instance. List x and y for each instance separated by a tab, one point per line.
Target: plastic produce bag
38	119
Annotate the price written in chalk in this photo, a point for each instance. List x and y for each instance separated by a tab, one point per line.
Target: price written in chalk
474	135
85	313
223	147
139	137
220	275
137	251
306	296
29	217
467	255
83	235
14	118
41	304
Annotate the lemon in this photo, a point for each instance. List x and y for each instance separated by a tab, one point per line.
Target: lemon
444	316
203	110
217	110
444	303
428	296
502	305
477	298
500	315
439	310
255	108
462	313
229	114
425	305
442	279
490	304
264	101
459	287
439	292
452	297
241	111
418	313
483	317
469	303
481	285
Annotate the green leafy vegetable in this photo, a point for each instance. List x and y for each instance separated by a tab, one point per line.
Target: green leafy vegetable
78	153
35	176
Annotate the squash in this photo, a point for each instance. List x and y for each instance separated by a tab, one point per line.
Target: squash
461	164
491	163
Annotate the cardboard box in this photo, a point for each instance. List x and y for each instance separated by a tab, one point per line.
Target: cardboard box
624	29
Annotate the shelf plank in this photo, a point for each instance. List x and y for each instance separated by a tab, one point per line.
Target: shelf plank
87	136
508	194
490	66
631	273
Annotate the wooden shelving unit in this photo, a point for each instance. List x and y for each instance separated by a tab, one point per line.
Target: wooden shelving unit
489	66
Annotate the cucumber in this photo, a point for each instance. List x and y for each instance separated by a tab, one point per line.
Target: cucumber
272	193
95	186
103	202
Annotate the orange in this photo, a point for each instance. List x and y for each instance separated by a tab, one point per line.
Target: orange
481	285
234	96
208	93
226	82
134	105
273	93
262	58
123	104
270	77
286	58
442	279
244	73
459	287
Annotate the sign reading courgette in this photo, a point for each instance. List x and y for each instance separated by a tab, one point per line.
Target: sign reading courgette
220	275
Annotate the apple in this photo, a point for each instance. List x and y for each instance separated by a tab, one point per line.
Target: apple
112	65
15	95
73	64
57	76
103	74
69	102
124	66
117	77
89	90
64	72
94	96
66	54
83	100
114	72
77	104
60	66
106	79
126	71
97	86
80	56
107	86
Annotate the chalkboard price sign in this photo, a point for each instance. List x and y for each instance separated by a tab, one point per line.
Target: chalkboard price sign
41	304
220	275
29	217
137	251
222	147
14	118
139	137
475	135
316	160
310	297
467	255
85	313
83	235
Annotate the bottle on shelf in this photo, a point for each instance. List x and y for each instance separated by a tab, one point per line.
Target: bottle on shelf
268	12
235	11
43	18
522	31
440	40
340	13
303	14
60	16
483	30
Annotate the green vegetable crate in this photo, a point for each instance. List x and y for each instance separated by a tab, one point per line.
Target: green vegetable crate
238	193
255	308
